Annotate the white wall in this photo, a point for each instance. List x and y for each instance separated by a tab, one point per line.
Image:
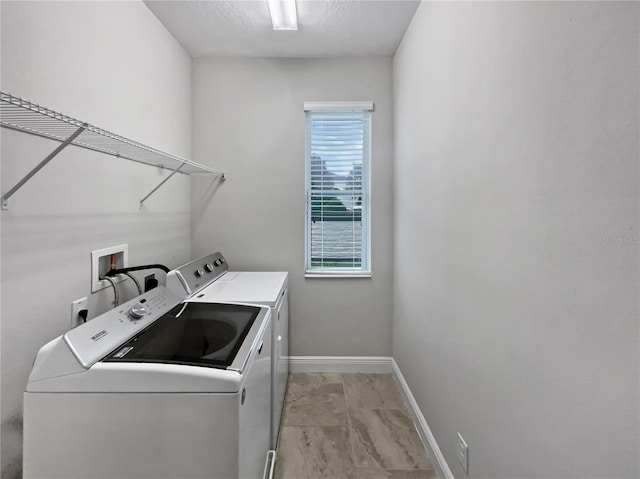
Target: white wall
516	233
248	120
114	65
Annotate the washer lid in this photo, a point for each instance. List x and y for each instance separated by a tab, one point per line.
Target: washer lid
196	334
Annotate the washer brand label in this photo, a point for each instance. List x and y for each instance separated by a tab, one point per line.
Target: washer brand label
99	334
120	354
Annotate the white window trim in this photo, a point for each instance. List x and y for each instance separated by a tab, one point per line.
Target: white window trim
332	274
342	106
338	105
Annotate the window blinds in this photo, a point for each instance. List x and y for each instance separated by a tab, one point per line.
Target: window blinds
337	185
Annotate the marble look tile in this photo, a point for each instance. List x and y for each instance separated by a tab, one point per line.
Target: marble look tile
315	404
311	452
394	474
386	439
313	378
377	391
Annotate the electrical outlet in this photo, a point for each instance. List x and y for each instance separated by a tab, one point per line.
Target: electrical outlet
150	282
463	454
77	306
101	264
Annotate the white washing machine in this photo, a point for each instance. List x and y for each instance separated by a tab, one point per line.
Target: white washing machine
251	287
155	388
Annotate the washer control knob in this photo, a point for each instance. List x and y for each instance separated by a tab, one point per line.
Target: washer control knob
199	273
208	267
137	311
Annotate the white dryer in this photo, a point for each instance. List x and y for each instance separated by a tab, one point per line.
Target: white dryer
250	287
156	388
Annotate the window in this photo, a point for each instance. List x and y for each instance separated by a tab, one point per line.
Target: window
338	153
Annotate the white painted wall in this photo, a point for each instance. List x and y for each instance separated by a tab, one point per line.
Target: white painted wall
114	65
248	120
516	233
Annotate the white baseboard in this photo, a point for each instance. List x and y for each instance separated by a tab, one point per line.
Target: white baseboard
340	364
439	462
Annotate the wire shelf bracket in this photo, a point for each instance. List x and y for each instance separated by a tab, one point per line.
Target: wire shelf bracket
28	176
177	170
28	117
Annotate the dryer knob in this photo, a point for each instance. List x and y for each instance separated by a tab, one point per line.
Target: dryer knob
198	273
208	267
137	311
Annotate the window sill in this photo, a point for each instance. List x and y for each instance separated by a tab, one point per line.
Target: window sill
335	275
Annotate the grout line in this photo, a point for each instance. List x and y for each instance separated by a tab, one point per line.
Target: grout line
352	452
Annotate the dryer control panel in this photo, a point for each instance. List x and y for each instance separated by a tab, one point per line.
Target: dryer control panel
95	339
194	276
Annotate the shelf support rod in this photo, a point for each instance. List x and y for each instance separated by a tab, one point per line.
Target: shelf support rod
161	183
20	184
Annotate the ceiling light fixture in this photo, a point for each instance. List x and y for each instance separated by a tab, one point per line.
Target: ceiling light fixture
283	14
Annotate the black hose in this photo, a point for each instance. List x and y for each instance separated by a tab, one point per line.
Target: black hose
114	272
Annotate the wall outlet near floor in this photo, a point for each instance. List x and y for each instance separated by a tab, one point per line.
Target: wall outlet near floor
77	306
101	264
463	454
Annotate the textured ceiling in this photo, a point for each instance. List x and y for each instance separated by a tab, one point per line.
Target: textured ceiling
326	28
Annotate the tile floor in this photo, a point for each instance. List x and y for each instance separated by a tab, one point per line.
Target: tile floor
348	426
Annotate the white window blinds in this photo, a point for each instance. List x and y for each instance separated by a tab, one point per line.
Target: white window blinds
337	188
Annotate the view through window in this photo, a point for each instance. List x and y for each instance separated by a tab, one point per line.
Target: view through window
337	186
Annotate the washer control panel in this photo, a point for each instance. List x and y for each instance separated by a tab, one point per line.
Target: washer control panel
196	275
93	340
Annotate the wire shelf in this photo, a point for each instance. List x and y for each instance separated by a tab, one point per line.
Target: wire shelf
28	117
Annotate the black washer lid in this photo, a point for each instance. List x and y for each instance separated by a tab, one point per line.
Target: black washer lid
197	334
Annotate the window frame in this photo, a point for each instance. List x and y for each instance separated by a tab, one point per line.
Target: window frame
365	271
